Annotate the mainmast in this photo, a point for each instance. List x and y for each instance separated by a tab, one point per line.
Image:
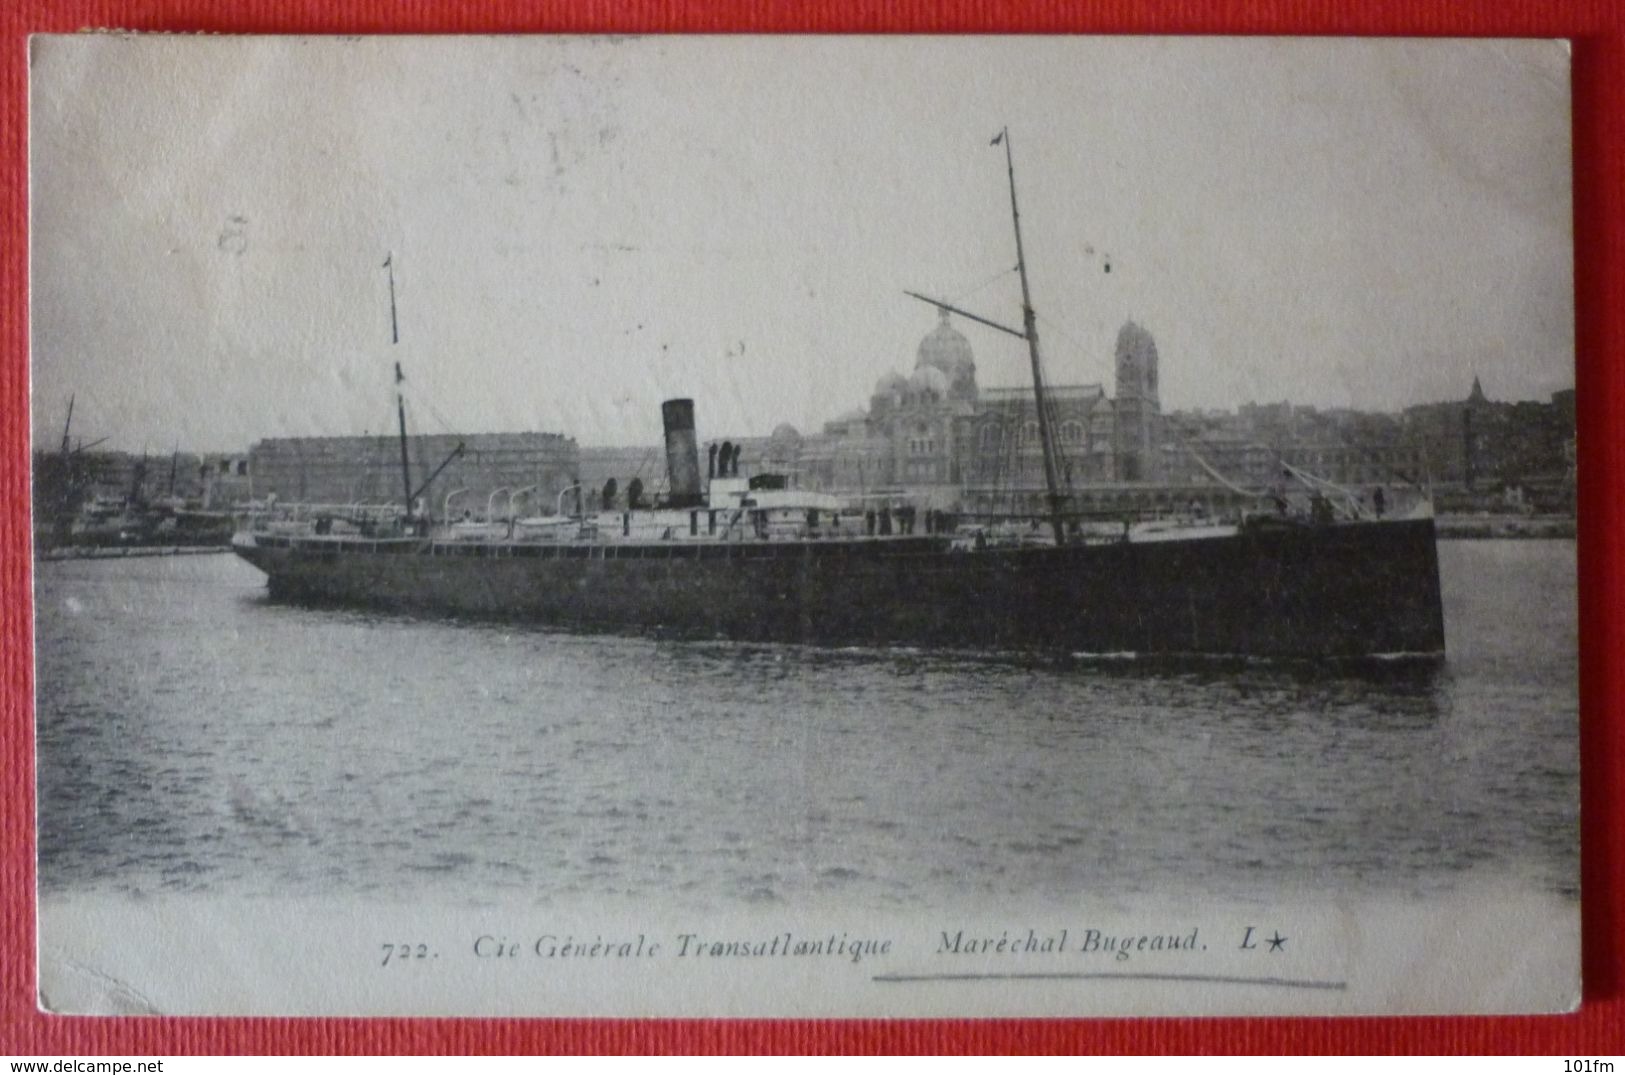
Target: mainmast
406	463
1029	322
400	396
1028	332
394	325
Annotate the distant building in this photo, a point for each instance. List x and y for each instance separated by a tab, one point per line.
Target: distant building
1484	446
496	472
937	437
1254	447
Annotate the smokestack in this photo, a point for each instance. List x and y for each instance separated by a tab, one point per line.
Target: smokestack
682	453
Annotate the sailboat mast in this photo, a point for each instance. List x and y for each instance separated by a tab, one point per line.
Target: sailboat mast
406	464
1029	322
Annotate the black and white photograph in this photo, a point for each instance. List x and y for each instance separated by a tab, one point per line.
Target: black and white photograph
792	526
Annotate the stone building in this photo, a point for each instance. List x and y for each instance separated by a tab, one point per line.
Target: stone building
915	421
1006	453
1478	448
497	473
1252	447
937	436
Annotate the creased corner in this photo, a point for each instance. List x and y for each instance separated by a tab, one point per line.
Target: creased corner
76	988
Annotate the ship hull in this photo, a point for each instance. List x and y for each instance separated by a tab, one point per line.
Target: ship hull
1333	591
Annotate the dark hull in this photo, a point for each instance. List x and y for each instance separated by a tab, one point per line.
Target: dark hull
1347	590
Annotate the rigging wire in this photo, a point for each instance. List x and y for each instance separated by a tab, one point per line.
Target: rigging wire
959	297
1220	478
1051	323
428	405
1052	422
1352	502
1009	475
1201	461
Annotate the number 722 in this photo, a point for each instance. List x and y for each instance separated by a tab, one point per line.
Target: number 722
399	952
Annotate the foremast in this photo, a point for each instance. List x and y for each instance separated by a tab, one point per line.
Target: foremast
411	495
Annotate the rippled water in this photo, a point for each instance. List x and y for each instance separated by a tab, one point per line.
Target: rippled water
196	738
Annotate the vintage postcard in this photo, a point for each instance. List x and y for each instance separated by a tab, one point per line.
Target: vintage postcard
804	526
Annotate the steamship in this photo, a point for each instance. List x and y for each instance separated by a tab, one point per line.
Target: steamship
754	559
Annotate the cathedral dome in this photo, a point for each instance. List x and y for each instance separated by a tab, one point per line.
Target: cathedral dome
785	433
892	382
946	349
929	379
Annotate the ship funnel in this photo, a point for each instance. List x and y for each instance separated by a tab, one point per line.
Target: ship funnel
682	454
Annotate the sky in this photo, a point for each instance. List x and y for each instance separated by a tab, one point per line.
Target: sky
579	228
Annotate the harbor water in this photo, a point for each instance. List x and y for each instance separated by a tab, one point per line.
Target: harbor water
196	738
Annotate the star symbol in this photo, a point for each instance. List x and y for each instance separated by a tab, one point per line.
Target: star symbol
1276	941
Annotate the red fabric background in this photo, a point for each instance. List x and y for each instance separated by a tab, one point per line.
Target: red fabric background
1598	30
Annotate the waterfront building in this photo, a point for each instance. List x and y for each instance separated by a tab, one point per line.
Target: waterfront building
495	473
935	438
1480	451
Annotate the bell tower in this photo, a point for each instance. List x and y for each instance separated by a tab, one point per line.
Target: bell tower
1137	406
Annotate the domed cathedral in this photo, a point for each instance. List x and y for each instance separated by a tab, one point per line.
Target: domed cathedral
946	349
916	416
1138	409
935	434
